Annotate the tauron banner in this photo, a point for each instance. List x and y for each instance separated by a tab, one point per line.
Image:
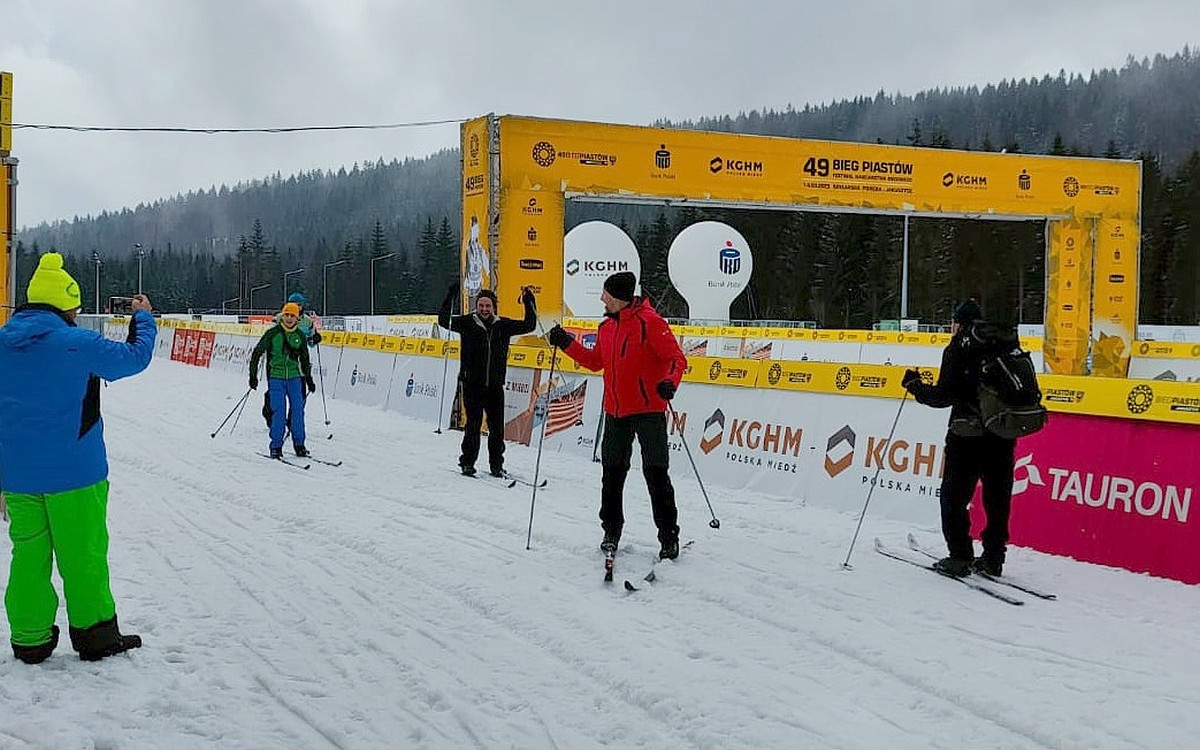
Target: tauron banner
710	264
1068	297
1115	302
592	252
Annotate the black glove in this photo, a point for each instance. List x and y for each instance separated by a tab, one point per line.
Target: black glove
308	381
666	389
453	291
912	378
559	337
253	382
316	337
527	297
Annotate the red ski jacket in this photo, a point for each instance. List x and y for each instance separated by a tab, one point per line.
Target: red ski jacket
636	350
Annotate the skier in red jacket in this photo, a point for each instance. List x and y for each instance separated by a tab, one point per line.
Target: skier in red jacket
642	365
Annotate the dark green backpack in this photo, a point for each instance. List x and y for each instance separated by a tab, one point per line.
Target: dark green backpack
1010	400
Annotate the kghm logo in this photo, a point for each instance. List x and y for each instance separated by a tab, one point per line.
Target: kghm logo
964	180
1024	181
532	208
716	164
714	370
842	379
839	451
714	431
544	153
730	259
774	373
474	145
1139	400
662	157
1071	187
572	266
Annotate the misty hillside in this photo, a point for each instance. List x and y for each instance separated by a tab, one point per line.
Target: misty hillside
836	269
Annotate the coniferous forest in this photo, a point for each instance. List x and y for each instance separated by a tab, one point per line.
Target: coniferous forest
230	247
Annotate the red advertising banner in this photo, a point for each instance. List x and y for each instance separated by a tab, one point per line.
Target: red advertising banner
1109	491
177	345
189	347
204	347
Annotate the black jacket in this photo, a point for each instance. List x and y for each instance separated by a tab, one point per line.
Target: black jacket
483	361
958	378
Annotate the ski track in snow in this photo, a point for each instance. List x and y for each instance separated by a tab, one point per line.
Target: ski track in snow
386	603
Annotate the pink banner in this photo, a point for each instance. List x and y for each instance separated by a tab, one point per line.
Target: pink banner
1109	491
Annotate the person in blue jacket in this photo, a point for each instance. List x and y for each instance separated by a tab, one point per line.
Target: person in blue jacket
53	465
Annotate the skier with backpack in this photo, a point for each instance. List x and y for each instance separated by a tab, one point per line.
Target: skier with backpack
991	388
289	374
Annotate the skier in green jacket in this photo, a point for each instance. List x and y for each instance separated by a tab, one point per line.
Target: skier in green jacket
289	373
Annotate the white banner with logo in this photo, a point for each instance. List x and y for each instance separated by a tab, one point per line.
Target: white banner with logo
592	252
364	376
417	388
710	264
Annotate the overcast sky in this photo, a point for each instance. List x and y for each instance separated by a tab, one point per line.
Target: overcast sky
270	63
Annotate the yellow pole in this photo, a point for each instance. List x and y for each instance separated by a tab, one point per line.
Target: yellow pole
8	197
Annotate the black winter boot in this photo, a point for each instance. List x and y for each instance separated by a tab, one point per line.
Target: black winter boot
670	550
37	654
277	453
101	640
610	542
301	451
955	567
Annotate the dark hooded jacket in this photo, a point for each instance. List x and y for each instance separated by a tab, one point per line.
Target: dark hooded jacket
483	361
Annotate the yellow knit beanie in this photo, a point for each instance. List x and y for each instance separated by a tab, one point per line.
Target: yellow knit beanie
53	286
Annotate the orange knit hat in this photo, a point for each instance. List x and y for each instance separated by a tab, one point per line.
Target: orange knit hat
291	308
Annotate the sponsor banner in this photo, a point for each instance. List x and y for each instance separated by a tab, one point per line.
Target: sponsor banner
333	338
591	252
364	376
1115	298
710	264
598	158
531	253
204	348
476	268
422	388
1068	297
231	353
722	371
1165	360
520	393
1110	492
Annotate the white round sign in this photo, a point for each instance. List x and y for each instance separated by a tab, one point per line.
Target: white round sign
710	264
592	252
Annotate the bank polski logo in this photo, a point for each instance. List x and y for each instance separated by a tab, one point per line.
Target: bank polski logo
354	375
408	389
730	259
1025	473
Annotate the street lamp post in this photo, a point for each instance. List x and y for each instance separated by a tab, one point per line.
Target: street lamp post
285	281
254	289
325	286
96	260
226	301
137	246
381	257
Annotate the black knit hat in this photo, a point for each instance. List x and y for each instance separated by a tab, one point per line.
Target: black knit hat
620	285
489	294
967	313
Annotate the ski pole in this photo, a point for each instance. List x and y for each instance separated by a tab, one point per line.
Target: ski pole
321	371
714	523
445	366
875	480
240	402
537	466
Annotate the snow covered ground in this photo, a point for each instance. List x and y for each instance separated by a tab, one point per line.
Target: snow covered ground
389	603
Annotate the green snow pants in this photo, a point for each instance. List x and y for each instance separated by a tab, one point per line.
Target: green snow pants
72	526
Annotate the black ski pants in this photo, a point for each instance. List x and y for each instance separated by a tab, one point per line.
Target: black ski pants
616	448
476	403
969	461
